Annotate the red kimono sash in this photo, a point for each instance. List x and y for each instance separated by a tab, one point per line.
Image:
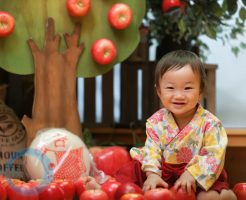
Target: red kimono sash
131	172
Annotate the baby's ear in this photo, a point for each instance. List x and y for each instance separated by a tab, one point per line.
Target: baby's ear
200	96
157	89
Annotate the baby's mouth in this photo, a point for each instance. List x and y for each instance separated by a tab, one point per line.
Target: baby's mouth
178	103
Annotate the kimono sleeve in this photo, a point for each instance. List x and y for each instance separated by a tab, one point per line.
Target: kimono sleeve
208	164
152	150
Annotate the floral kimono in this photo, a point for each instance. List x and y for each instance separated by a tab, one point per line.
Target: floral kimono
201	145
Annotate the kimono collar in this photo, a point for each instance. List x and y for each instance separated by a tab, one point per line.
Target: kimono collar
173	125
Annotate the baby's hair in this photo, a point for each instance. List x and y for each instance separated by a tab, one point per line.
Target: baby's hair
178	59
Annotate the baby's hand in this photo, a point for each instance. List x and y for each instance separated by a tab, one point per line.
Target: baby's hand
153	180
186	181
90	183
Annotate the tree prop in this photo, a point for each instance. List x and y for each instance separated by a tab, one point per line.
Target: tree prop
55	104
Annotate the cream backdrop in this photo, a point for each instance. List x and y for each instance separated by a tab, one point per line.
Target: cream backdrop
230	84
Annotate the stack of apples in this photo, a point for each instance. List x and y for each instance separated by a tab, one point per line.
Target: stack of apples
107	160
13	189
113	190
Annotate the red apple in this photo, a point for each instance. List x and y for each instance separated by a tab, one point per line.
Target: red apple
7	24
103	51
110	159
68	188
3	193
180	194
2	178
21	191
125	188
35	183
120	16
110	188
3	181
159	194
78	8
170	4
132	196
94	195
51	192
240	190
79	187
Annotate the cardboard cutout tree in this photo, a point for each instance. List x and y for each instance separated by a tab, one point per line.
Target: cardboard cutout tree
57	61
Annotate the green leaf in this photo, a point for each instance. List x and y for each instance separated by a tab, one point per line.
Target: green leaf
31	16
217	9
242	13
182	26
224	5
242	45
244	2
231	6
235	50
210	32
87	137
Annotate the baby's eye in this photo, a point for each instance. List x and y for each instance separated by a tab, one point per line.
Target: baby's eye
169	88
188	88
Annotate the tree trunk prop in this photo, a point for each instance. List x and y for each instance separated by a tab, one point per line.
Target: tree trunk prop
55	102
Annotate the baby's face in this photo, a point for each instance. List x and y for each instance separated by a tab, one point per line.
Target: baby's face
179	91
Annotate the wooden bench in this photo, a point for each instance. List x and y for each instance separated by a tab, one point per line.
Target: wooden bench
237	137
236	155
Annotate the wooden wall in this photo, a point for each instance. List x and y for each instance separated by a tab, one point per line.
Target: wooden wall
128	96
129	99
